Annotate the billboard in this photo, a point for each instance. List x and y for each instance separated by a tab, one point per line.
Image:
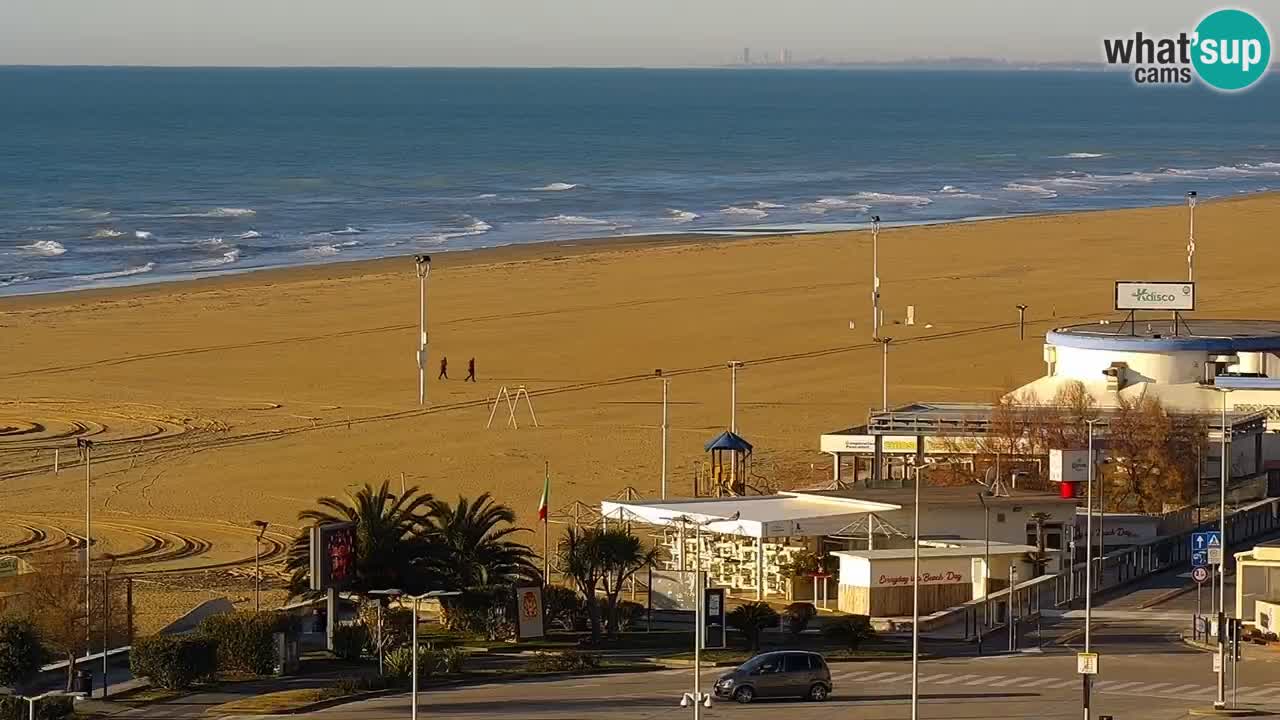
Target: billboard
529	612
1145	295
333	555
1069	465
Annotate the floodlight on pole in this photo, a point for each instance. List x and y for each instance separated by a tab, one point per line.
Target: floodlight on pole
423	264
1191	235
875	276
733	394
257	570
699	624
413	705
666	383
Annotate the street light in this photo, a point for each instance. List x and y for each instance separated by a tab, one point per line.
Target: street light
257	557
884	373
1022	316
86	449
413	712
391	593
33	699
1088	569
915	598
733	394
1221	702
110	559
986	561
875	277
1191	235
423	264
666	383
697	698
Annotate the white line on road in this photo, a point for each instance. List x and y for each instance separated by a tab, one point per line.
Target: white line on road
1114	686
1010	681
1186	689
1041	681
957	678
879	677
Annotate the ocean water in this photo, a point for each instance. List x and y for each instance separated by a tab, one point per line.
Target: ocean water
112	176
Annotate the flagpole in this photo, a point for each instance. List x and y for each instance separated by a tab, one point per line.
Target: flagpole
546	524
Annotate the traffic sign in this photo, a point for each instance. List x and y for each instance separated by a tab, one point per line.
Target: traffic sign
1217	662
1200	575
1209	543
1087	663
1199	558
1215	556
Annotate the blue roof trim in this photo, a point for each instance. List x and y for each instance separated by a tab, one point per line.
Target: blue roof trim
1138	343
728	441
1247	383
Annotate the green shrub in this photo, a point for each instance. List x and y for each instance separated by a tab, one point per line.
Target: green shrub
452	659
349	641
797	615
630	614
750	619
489	612
57	707
563	606
244	639
21	653
352	684
398	665
851	630
562	661
173	662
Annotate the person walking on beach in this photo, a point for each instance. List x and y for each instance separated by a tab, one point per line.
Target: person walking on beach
471	370
444	369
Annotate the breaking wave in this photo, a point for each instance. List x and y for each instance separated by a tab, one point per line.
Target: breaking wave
574	220
555	187
144	235
682	215
745	212
103	233
138	270
891	199
251	235
1079	156
1038	190
45	248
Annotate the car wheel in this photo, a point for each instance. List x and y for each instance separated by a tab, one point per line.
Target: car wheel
744	695
819	692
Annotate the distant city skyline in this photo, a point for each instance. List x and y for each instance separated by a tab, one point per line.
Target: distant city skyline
573	32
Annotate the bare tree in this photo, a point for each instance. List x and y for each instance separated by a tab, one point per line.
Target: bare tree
1153	455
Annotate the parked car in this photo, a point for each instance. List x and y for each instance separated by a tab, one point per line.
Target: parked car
784	673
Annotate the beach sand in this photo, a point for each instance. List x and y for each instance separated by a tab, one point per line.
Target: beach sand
219	401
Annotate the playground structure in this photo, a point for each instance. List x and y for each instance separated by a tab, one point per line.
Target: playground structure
729	467
513	402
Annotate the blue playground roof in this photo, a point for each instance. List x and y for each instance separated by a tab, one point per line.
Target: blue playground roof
728	440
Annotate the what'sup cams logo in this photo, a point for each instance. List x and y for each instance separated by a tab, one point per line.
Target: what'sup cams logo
1229	50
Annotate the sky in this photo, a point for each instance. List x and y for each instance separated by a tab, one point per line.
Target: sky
573	32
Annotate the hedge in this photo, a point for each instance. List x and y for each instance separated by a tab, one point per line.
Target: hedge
20	652
173	662
244	639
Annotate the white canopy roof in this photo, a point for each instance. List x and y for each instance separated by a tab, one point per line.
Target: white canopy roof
759	516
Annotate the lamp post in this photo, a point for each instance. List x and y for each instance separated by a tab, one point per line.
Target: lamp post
733	394
1223	463
257	558
884	373
1022	316
875	277
915	600
986	560
1191	235
697	698
423	264
390	594
413	705
86	449
666	384
110	560
1088	569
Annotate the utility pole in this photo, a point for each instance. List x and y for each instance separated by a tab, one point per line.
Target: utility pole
733	394
1191	236
423	264
884	373
86	448
1221	702
875	277
666	382
1088	572
257	571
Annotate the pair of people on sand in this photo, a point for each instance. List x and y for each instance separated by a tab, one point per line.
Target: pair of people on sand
444	370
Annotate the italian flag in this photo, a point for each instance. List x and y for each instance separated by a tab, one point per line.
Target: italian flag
546	496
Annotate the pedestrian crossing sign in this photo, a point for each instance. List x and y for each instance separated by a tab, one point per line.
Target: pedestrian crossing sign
1087	663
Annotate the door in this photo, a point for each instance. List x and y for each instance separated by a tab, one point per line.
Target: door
796	675
768	679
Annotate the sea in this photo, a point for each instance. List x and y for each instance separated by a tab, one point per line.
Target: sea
114	176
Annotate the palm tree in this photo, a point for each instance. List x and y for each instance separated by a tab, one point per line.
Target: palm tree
751	618
389	539
623	554
581	561
470	550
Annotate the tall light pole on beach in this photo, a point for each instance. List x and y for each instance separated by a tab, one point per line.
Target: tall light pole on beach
666	383
915	601
733	394
875	276
698	698
86	450
1191	235
884	373
423	263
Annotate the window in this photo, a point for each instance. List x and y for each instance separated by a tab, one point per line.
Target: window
999	517
796	662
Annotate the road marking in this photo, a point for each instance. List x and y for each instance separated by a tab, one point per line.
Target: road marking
1259	692
858	675
935	678
1189	688
896	678
1041	681
879	677
1010	681
1062	684
957	678
1151	689
1114	686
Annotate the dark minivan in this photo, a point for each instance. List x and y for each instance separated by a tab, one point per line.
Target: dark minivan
785	673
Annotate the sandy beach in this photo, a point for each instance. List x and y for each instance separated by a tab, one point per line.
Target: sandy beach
219	401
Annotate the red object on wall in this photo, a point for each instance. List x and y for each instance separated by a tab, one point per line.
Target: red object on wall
1068	490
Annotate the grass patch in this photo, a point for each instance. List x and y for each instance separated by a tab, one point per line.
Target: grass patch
273	703
148	695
